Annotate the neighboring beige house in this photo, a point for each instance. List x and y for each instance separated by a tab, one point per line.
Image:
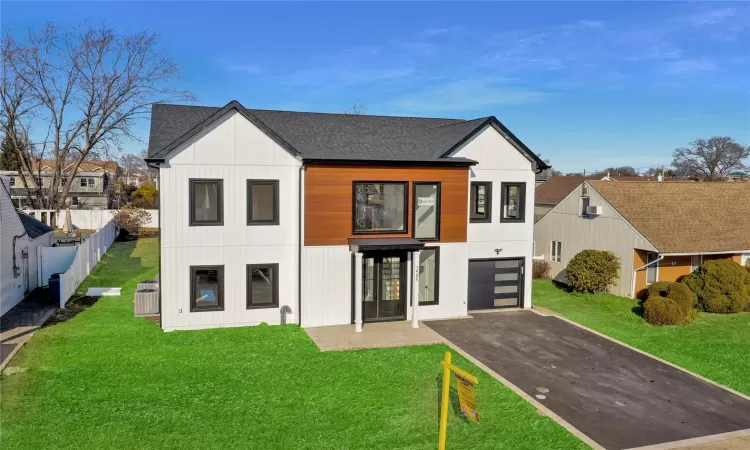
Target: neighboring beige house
554	189
89	190
660	231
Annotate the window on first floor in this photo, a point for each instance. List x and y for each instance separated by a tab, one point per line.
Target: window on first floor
380	207
480	202
427	210
556	251
429	275
513	202
652	270
206	202
262	202
206	288
262	286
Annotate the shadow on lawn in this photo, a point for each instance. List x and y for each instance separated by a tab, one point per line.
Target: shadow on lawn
453	396
114	270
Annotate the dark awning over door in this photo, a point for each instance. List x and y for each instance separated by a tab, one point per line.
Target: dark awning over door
357	245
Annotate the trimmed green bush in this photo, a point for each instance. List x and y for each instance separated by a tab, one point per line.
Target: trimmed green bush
722	286
593	270
678	293
660	311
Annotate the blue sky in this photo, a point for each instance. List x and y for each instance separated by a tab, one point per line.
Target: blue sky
588	85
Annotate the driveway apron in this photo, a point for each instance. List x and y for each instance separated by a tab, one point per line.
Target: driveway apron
618	397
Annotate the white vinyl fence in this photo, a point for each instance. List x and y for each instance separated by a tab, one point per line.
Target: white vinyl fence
87	256
54	260
87	219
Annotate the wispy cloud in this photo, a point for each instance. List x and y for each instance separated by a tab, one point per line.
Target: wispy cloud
712	17
464	95
248	69
689	66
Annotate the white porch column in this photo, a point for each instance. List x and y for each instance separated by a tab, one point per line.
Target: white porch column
357	292
414	288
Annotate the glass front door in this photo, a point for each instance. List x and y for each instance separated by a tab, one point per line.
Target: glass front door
384	287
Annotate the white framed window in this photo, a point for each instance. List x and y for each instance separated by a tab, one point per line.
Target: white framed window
556	251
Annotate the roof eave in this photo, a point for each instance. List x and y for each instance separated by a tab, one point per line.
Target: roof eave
455	162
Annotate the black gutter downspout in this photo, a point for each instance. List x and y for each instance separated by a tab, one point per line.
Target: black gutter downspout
161	275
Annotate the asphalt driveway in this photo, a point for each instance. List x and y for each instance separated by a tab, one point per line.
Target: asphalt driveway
618	397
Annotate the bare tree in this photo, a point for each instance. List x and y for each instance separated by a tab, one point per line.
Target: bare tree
711	159
84	90
551	171
357	109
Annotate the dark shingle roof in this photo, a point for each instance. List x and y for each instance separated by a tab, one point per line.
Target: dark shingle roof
34	228
322	136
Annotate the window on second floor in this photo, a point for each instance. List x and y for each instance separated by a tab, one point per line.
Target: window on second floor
88	182
426	205
206	202
513	202
12	181
262	202
585	202
380	207
480	202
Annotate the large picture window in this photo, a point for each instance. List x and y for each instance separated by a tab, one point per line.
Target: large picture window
206	288
262	286
427	211
480	202
380	208
262	202
514	202
206	202
429	275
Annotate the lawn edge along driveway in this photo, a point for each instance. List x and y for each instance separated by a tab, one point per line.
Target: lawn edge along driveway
105	379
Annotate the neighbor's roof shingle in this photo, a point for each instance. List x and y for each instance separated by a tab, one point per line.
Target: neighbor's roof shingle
684	217
556	188
34	227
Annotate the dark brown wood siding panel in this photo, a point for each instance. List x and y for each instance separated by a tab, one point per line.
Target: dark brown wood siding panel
328	200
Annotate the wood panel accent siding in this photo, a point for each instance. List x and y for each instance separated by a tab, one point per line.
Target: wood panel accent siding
328	199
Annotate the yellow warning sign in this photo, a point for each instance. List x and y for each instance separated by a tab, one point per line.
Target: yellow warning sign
466	398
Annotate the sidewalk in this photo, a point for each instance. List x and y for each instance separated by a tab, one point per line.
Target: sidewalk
19	324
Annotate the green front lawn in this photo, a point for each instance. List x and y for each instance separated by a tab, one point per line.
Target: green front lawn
716	346
104	379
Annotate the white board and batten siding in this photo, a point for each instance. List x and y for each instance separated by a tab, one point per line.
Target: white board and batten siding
608	231
327	285
233	150
14	287
498	162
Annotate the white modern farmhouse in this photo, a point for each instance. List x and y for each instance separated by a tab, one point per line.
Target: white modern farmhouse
330	219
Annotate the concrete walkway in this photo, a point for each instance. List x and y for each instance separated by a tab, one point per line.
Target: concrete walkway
617	397
373	335
18	325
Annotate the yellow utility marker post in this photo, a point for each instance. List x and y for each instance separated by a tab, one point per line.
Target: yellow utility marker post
465	386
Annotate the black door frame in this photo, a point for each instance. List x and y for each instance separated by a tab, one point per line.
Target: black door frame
403	273
521	279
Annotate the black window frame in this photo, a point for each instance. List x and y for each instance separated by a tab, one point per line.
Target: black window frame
439	200
522	201
249	286
437	276
220	203
193	306
12	181
405	184
249	203
487	202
